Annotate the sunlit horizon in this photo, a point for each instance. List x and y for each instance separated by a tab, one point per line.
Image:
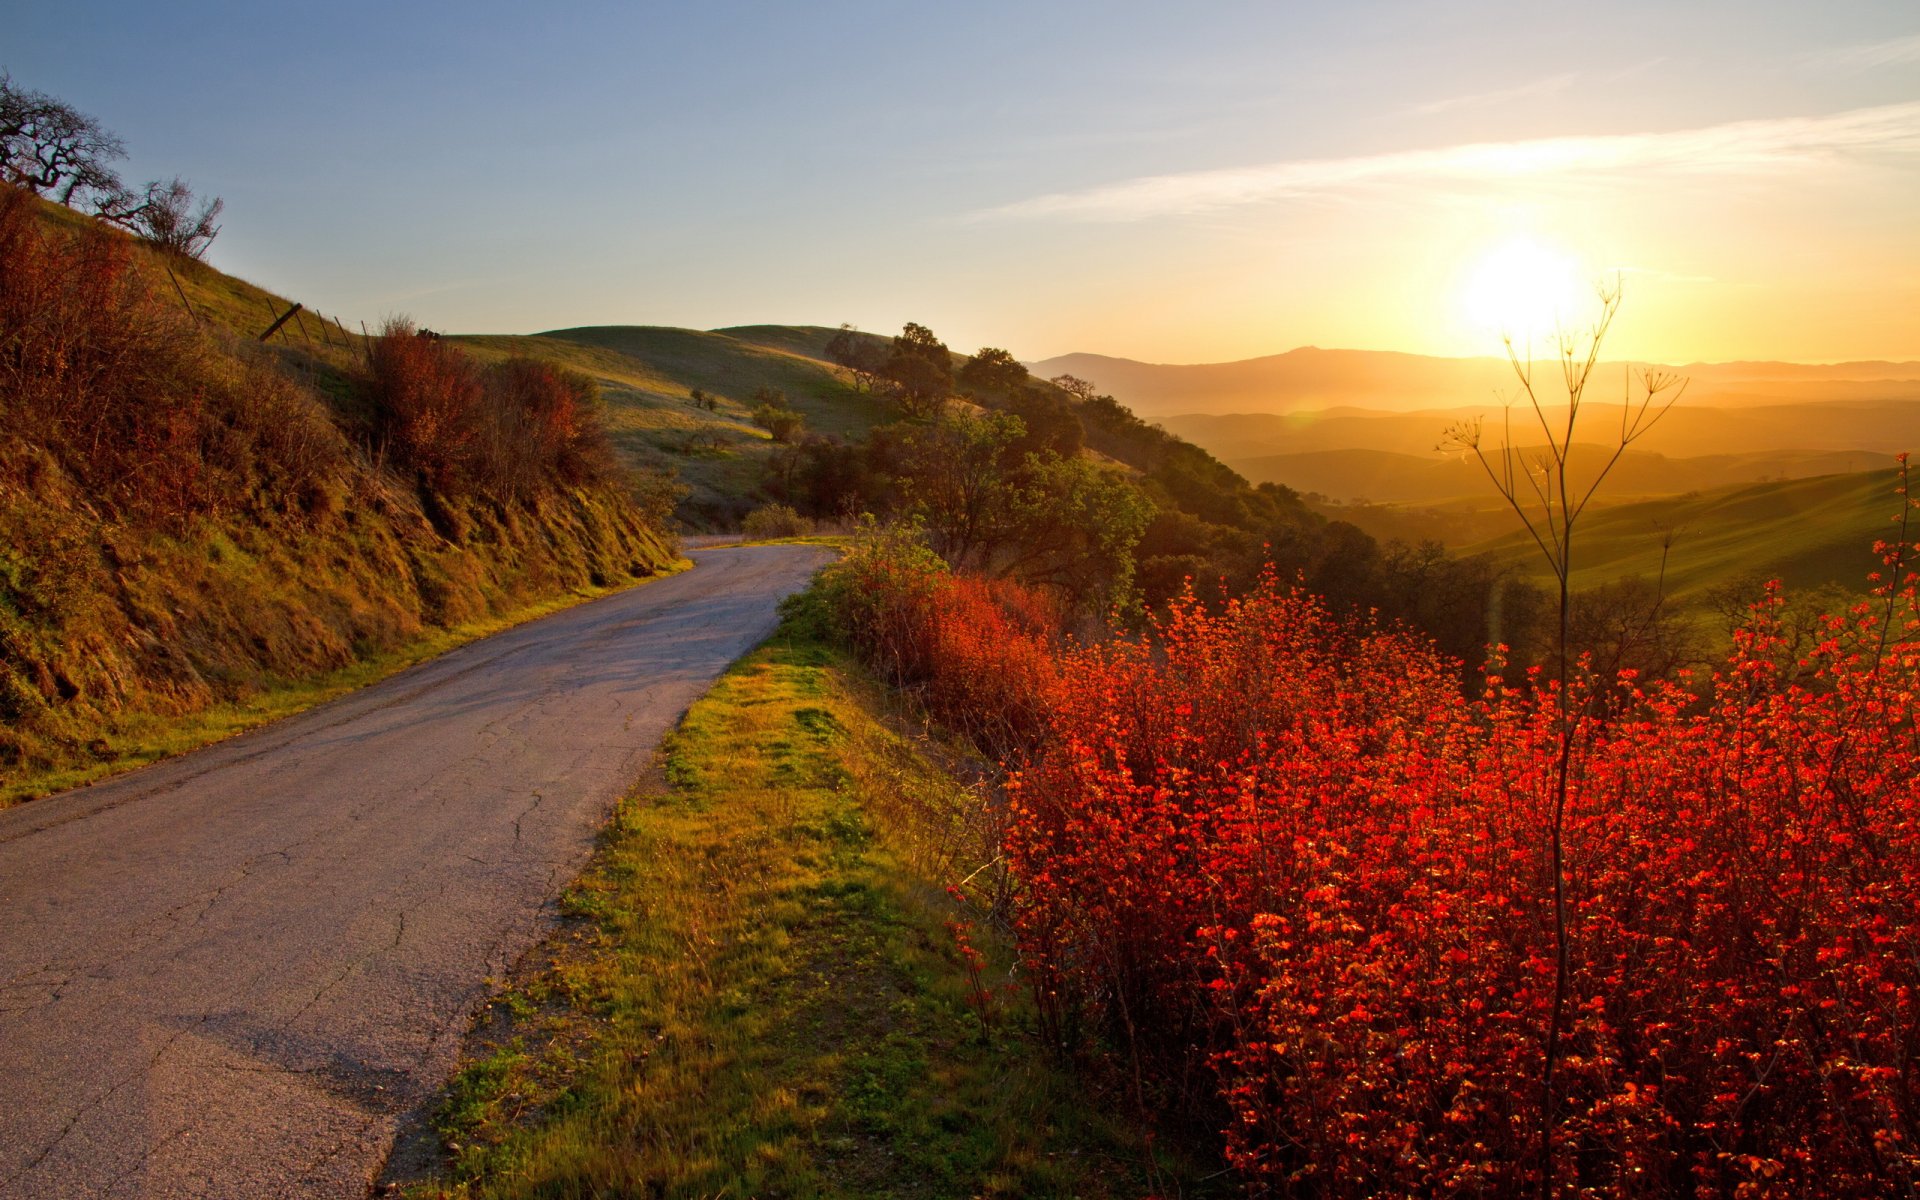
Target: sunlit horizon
1110	179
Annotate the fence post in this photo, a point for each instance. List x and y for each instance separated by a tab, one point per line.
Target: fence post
284	318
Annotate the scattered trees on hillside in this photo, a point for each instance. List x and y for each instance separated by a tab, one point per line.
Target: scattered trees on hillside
1197	519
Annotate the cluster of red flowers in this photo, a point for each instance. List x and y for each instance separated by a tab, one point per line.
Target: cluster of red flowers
1305	885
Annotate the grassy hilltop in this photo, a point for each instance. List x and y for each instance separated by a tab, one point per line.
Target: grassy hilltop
648	376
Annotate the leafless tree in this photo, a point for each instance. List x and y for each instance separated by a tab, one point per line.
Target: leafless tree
51	148
166	216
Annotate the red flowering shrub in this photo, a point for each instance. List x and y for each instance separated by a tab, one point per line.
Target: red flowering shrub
1303	885
1264	843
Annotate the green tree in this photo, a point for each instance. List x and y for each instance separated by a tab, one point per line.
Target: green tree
993	369
783	423
952	476
920	369
1077	524
987	505
862	355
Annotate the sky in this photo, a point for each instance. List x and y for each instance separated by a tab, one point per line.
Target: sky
1208	183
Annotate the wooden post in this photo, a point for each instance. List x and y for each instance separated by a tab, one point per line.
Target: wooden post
182	293
284	318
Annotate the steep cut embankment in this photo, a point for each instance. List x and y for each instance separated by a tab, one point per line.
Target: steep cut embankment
190	518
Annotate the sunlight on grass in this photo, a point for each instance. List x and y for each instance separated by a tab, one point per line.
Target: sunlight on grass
757	993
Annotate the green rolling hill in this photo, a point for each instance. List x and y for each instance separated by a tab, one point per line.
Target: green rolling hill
648	374
1384	476
1805	532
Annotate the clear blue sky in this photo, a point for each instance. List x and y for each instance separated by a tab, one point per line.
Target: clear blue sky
1316	174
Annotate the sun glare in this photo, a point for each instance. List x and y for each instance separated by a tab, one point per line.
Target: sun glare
1526	290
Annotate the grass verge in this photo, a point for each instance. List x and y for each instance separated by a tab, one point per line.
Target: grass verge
141	739
762	988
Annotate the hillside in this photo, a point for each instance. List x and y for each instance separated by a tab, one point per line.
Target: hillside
196	525
1310	379
1882	426
1383	476
648	376
1805	532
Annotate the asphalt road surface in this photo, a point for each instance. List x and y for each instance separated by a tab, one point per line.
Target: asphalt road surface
235	972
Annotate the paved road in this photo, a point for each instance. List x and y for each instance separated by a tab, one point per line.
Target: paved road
233	973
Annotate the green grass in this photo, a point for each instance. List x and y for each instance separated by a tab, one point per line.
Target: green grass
756	991
1806	532
141	739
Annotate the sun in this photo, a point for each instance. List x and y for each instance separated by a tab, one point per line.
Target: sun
1526	290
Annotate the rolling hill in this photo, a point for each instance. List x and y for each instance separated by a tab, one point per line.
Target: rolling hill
648	374
1312	379
1805	532
1384	476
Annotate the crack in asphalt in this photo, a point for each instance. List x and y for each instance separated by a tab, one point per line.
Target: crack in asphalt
139	1072
524	814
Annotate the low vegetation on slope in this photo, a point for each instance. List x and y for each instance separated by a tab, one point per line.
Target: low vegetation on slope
192	518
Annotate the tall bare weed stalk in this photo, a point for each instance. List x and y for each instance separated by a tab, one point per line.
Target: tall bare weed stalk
1538	486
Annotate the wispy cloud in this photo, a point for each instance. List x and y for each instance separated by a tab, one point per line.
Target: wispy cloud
1549	86
1764	146
1890	53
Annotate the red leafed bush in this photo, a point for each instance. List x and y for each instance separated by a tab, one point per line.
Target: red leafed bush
1271	847
978	653
429	398
1303	887
516	430
544	427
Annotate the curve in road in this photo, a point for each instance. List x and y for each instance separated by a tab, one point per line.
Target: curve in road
234	973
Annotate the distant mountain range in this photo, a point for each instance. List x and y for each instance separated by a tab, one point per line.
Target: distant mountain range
1315	379
1369	424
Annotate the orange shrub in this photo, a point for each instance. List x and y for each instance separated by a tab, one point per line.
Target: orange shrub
128	395
515	431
